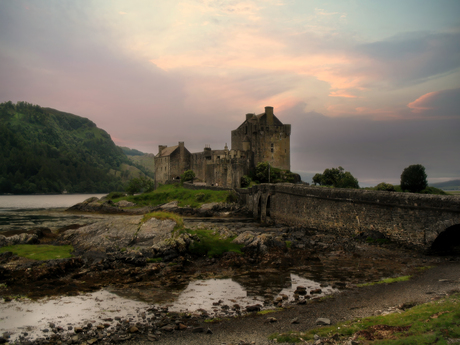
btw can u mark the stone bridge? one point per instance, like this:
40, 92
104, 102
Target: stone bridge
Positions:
416, 220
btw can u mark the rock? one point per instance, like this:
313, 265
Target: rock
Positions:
295, 321
78, 329
2, 340
301, 290
316, 291
198, 330
133, 329
272, 319
208, 331
181, 327
91, 341
167, 328
125, 203
169, 205
323, 321
253, 308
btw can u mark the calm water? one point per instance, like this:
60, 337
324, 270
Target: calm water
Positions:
23, 212
15, 202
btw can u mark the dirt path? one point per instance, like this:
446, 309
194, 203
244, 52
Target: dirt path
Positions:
360, 302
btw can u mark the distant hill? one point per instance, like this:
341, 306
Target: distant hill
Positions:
448, 185
131, 152
44, 150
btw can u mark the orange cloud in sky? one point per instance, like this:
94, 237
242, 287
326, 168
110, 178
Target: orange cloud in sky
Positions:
418, 106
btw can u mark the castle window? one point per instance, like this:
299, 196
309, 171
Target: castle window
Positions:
271, 149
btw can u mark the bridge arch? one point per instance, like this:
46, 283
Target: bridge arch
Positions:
448, 241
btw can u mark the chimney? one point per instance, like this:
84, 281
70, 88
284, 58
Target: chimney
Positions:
161, 148
269, 115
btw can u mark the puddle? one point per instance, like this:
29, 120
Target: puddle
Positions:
33, 317
212, 295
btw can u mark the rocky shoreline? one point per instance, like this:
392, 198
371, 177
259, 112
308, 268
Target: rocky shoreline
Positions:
131, 253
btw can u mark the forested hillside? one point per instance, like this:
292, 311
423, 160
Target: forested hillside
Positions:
43, 150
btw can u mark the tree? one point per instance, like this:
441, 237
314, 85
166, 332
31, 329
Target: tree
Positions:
141, 184
413, 178
317, 179
336, 177
188, 175
388, 187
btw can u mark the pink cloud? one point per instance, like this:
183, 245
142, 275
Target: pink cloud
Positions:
444, 103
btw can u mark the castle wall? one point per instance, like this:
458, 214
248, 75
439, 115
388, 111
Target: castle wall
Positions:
162, 171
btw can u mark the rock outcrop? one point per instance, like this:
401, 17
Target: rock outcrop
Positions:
120, 233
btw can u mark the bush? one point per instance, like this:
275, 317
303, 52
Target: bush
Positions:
413, 178
115, 195
337, 178
188, 175
231, 198
245, 181
385, 187
200, 197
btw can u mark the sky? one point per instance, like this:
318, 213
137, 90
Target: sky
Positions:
369, 85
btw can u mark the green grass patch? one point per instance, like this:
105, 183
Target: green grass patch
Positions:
39, 251
377, 240
269, 311
288, 244
168, 193
424, 268
154, 259
430, 323
214, 320
212, 244
386, 281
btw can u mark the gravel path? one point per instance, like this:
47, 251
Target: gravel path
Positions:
360, 302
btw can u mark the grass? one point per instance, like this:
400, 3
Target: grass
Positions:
212, 244
168, 193
269, 311
288, 244
154, 259
162, 215
39, 251
430, 323
386, 281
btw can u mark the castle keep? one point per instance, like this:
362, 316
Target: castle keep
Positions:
260, 138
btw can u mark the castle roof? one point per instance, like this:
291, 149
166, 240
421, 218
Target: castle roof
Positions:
167, 151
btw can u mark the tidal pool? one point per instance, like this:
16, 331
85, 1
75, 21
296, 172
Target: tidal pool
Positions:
32, 318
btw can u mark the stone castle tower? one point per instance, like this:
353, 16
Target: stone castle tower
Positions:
266, 137
260, 138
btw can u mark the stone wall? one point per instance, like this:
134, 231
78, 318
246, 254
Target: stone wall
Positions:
411, 219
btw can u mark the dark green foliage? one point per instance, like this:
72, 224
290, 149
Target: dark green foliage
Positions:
385, 187
433, 190
47, 151
131, 152
188, 175
115, 195
413, 178
140, 184
276, 175
245, 181
210, 243
337, 178
231, 198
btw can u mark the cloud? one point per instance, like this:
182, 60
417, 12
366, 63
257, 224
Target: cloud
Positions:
373, 151
445, 103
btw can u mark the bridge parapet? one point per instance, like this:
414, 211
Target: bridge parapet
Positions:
411, 219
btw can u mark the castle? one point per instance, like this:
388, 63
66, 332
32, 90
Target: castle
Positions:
260, 138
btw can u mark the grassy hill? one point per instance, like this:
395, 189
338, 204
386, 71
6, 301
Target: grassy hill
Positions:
44, 150
448, 185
